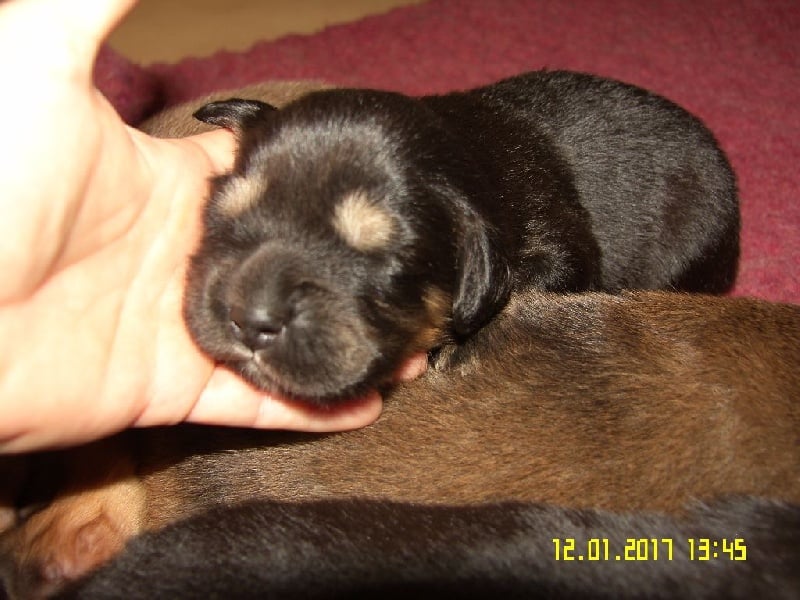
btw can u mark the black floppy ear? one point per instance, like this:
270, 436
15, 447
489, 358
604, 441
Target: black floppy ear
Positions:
484, 277
234, 113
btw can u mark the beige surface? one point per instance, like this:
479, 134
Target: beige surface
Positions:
168, 30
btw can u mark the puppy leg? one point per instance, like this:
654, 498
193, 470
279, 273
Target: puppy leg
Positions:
86, 524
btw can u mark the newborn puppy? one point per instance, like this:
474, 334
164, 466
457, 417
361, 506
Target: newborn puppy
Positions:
359, 227
330, 550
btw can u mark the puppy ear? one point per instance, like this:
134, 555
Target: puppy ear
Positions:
235, 113
484, 277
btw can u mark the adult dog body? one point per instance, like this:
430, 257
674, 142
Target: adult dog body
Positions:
358, 549
639, 401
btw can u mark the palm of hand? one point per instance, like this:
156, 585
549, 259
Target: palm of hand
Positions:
96, 303
97, 222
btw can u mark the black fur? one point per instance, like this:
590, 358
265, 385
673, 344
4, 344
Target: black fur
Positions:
359, 549
551, 180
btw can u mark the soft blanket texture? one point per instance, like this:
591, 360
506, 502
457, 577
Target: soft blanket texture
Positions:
734, 63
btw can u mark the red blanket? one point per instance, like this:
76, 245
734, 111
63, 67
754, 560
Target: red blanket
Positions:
736, 64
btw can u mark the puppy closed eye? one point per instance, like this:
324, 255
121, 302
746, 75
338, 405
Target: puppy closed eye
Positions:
361, 223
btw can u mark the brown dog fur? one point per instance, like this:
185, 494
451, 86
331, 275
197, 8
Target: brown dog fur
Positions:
636, 402
640, 401
98, 508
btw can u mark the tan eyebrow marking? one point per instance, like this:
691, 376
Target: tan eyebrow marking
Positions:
239, 194
361, 223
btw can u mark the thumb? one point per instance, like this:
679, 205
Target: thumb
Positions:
218, 145
74, 29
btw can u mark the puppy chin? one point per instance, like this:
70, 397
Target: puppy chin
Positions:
316, 389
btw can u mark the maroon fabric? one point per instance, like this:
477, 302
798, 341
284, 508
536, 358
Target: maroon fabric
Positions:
134, 91
734, 63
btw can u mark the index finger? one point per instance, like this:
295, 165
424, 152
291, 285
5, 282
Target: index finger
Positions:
227, 400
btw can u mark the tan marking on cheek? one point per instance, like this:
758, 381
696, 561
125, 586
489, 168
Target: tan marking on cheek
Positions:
432, 333
240, 194
361, 223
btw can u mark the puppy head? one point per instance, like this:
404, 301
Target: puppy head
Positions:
337, 246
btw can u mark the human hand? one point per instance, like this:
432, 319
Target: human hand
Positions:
96, 223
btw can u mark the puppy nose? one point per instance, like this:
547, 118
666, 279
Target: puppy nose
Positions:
256, 326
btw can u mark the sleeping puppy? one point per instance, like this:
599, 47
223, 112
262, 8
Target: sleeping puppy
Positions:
359, 227
331, 550
640, 401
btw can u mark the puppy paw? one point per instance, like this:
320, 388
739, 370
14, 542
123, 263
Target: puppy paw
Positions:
75, 534
74, 549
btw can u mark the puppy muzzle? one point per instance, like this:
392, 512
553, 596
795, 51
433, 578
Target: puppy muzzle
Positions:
294, 331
